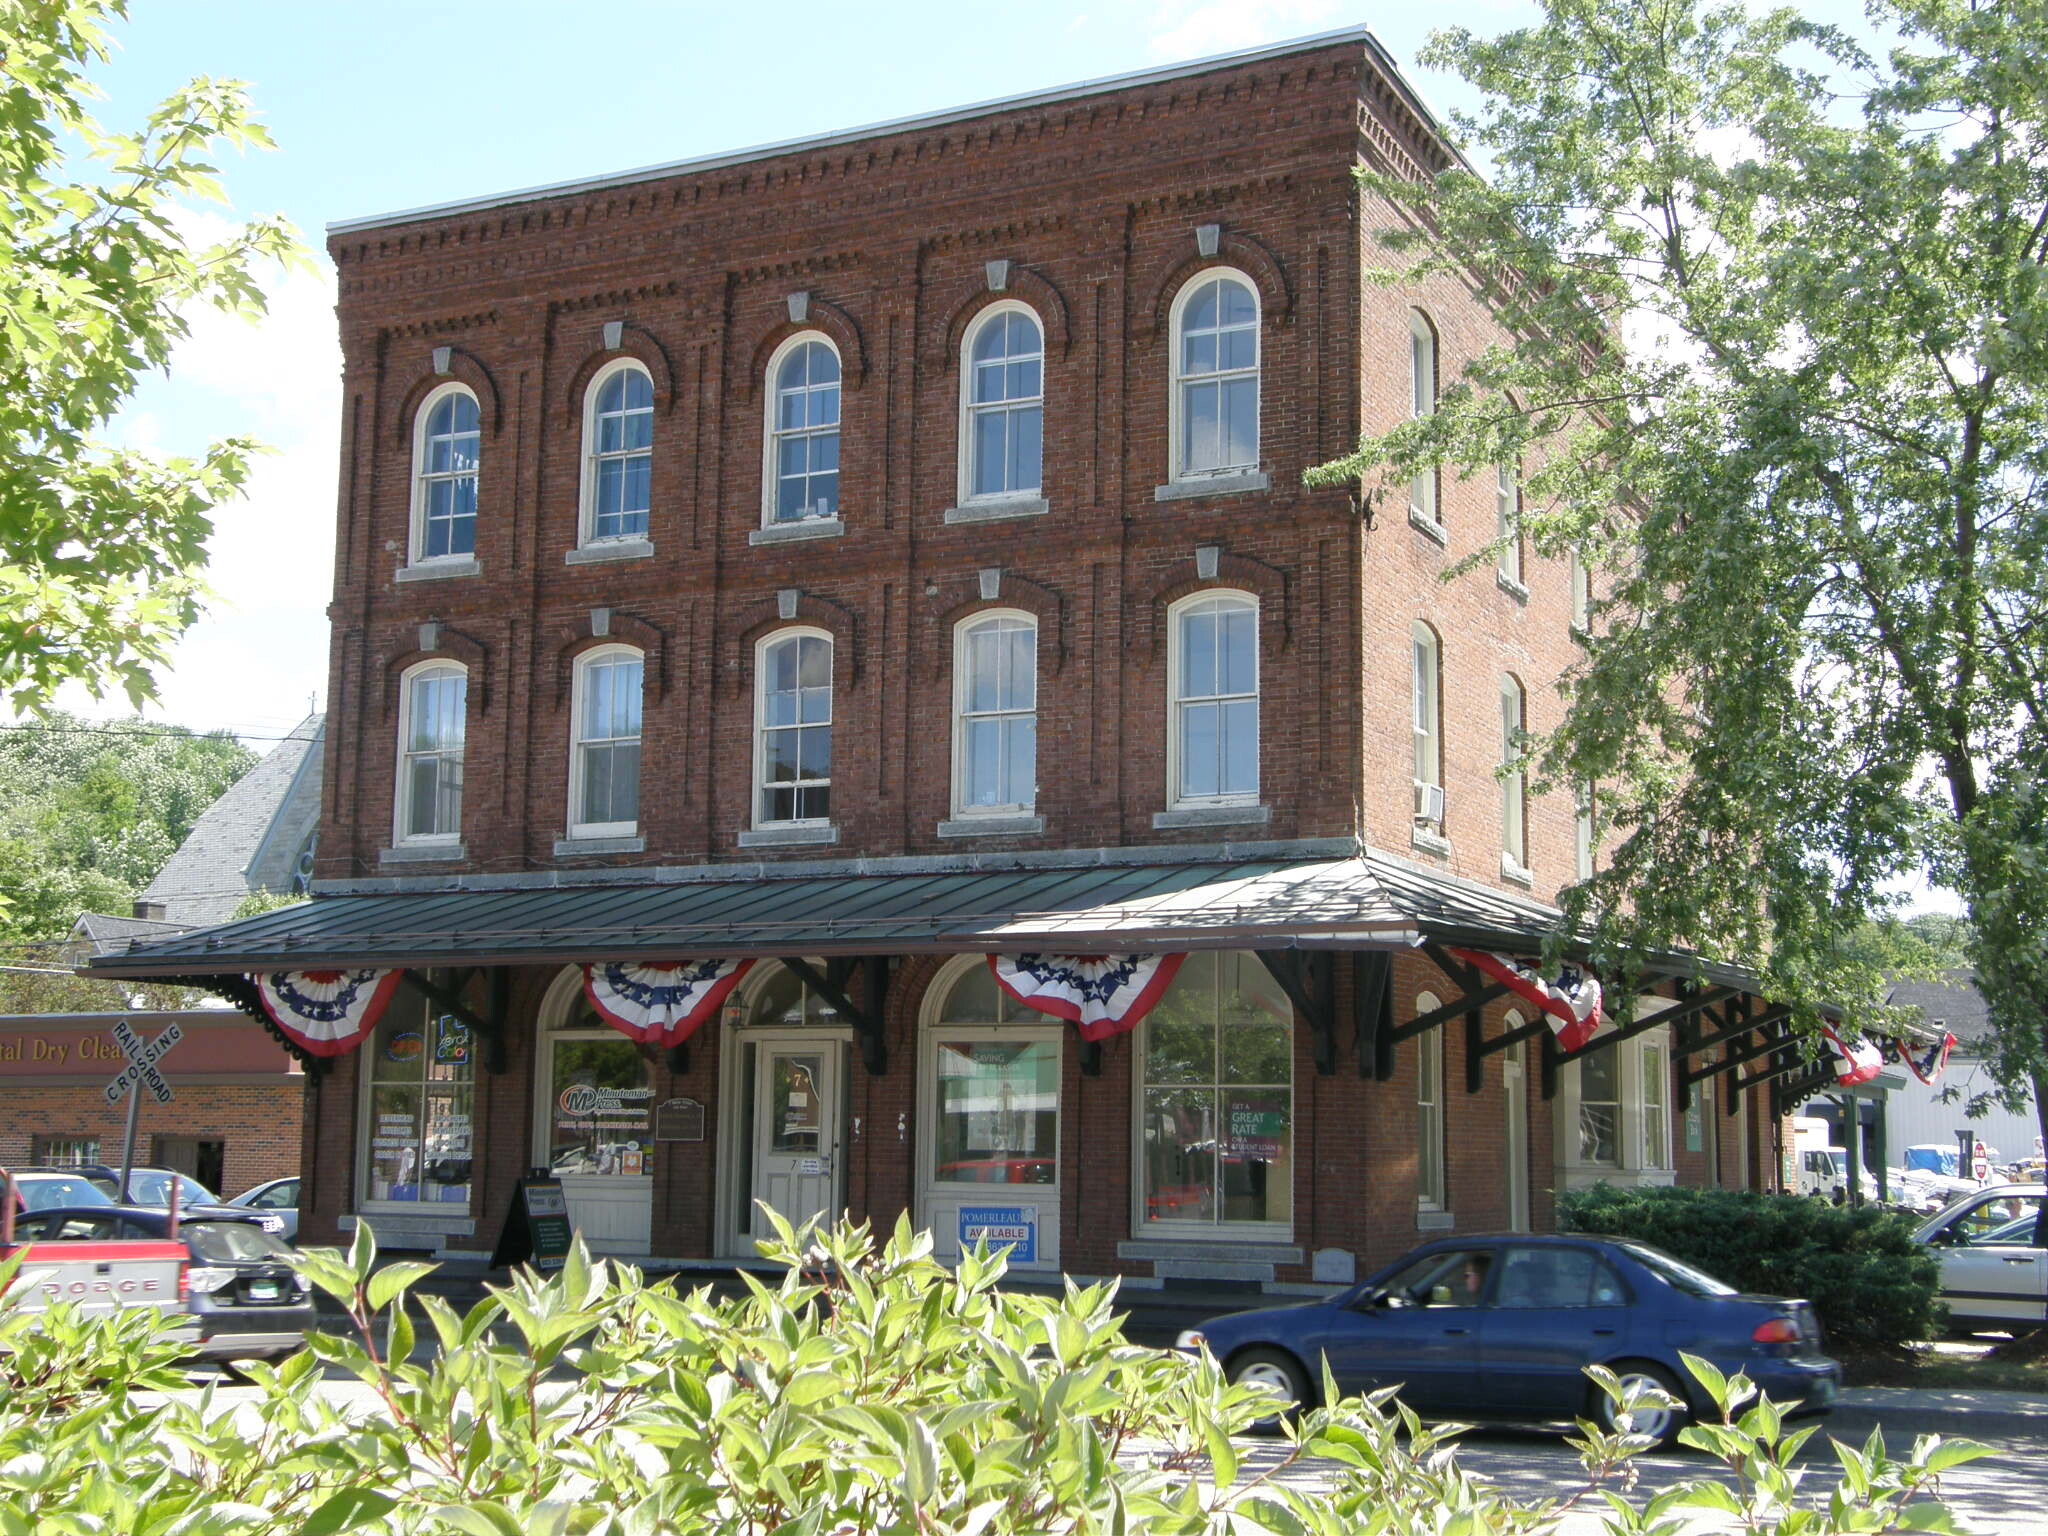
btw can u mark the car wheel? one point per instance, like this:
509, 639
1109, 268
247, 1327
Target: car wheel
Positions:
1660, 1424
1277, 1371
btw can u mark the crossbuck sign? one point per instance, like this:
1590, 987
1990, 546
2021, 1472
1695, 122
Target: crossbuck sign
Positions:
143, 1056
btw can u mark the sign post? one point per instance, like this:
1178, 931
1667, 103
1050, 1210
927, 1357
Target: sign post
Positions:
140, 1073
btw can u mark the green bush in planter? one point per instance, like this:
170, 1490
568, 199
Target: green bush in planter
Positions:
871, 1390
1873, 1286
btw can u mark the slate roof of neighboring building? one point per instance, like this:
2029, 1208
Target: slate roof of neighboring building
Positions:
1954, 1002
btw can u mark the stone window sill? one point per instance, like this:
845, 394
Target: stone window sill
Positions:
999, 511
1428, 527
423, 853
1512, 587
787, 837
437, 570
574, 847
1513, 871
1213, 816
1423, 840
1213, 485
992, 826
1434, 1221
608, 551
797, 532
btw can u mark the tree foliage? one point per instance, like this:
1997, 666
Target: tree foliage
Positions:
100, 547
1777, 343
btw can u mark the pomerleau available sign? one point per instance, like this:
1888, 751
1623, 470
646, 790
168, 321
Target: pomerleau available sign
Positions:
1002, 1226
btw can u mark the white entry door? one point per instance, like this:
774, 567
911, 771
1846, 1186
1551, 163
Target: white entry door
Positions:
797, 1128
596, 1111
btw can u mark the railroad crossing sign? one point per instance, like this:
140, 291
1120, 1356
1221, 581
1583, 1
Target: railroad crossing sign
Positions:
143, 1056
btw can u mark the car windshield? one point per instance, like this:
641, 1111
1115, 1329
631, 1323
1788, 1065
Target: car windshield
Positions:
232, 1242
152, 1186
1676, 1273
44, 1193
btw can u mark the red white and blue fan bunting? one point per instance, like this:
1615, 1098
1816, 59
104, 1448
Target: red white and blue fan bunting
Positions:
660, 1004
1854, 1064
325, 1013
1100, 995
1571, 1003
1930, 1061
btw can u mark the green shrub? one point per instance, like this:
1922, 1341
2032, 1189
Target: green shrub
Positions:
871, 1390
1873, 1286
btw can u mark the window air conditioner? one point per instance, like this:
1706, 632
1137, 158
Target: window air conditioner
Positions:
1429, 803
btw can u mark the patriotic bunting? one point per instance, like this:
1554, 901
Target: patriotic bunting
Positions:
325, 1013
1854, 1064
1927, 1062
1101, 995
1572, 1002
660, 1004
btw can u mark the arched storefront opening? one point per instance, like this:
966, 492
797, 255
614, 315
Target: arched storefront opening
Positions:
594, 1120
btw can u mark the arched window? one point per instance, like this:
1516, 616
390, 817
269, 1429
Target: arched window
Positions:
1002, 405
1514, 848
994, 1070
1216, 1099
995, 746
794, 753
446, 453
604, 763
618, 450
1422, 500
1432, 1192
802, 467
433, 716
1426, 716
1213, 682
1216, 376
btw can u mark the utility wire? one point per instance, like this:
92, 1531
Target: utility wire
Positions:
146, 732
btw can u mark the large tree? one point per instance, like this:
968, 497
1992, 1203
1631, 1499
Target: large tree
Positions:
101, 546
1779, 348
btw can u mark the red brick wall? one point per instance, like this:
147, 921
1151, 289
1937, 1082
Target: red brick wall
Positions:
258, 1122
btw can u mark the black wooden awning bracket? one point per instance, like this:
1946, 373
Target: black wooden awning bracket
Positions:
1372, 1007
1310, 982
866, 1016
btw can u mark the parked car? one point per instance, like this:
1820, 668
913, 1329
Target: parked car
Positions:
242, 1296
1502, 1328
152, 1187
37, 1189
280, 1197
1993, 1248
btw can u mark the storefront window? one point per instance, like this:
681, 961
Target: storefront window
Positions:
1599, 1110
1218, 1103
601, 1118
420, 1073
997, 1101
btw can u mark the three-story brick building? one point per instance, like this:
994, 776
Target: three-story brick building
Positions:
769, 585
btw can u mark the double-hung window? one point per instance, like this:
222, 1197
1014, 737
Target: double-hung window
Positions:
1514, 849
1432, 1191
1507, 522
1004, 406
446, 455
803, 431
1600, 1109
604, 774
1422, 500
432, 726
1214, 680
794, 755
1425, 726
996, 665
1216, 366
620, 451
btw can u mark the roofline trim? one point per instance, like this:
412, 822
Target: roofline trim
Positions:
1097, 87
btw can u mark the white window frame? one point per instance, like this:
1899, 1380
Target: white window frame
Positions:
587, 536
1507, 521
771, 433
1653, 1079
968, 410
1424, 499
416, 542
1585, 841
1582, 593
760, 785
962, 633
457, 1216
1426, 716
1643, 1153
1178, 381
1175, 662
1514, 787
1432, 1193
595, 657
401, 798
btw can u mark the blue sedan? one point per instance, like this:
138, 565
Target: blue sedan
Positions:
1502, 1328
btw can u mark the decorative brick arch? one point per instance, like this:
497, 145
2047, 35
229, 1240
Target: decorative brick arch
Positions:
822, 316
1046, 604
808, 610
463, 368
1272, 586
1026, 287
453, 645
642, 347
645, 636
1247, 255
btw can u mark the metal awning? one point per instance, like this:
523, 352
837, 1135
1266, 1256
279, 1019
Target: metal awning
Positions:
1371, 901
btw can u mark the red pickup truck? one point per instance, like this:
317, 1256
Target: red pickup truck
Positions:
96, 1275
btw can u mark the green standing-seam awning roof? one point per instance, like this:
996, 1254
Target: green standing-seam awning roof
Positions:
1366, 902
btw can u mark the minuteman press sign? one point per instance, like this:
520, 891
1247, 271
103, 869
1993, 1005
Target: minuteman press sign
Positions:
143, 1055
